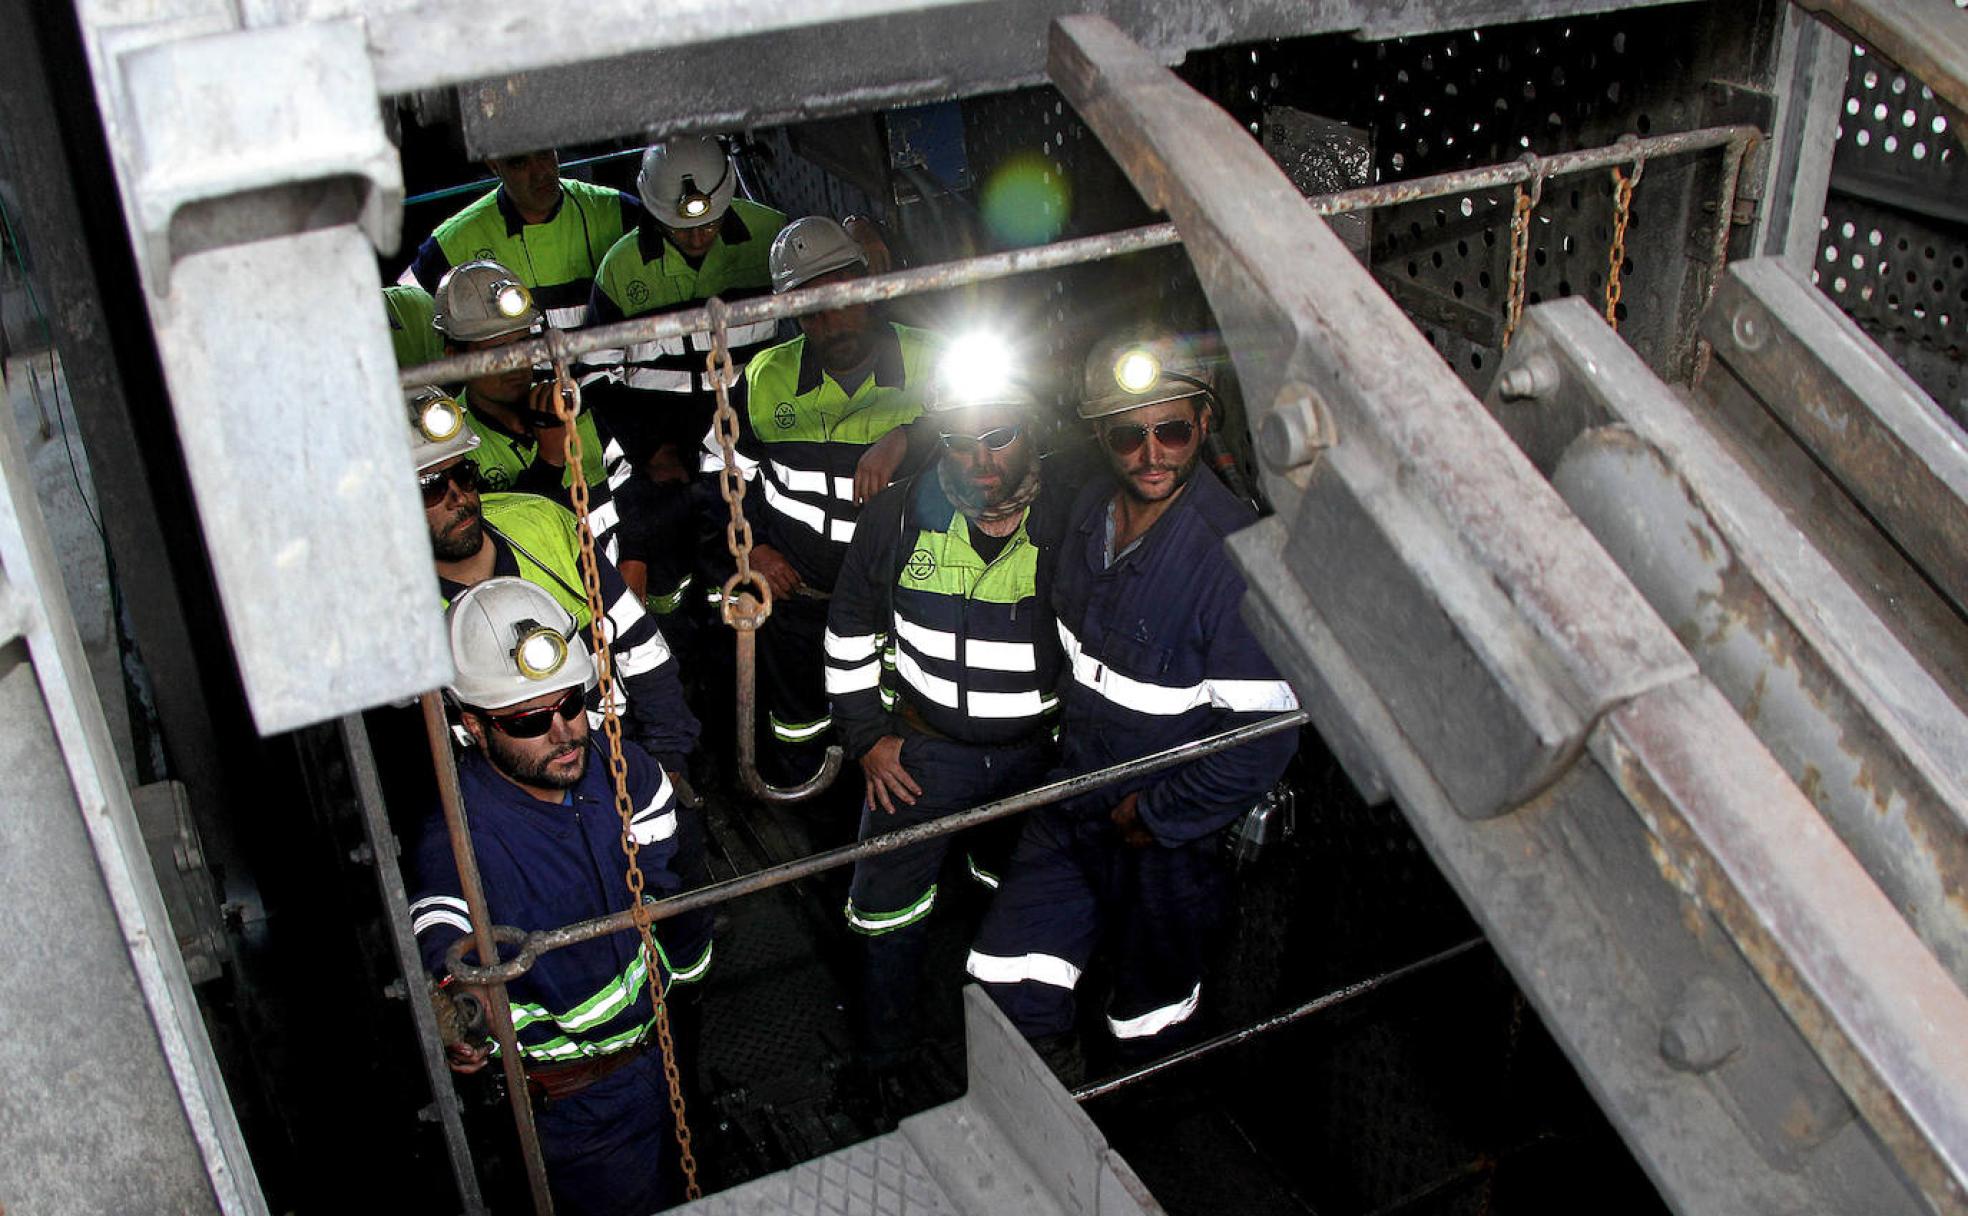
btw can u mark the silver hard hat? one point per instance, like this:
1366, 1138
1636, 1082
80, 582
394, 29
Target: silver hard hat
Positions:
512, 641
686, 182
481, 300
810, 247
438, 430
1127, 371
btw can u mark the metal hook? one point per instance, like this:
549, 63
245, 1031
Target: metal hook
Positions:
744, 608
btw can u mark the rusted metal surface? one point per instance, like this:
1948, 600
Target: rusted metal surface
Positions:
1503, 659
1890, 447
532, 945
1856, 721
1486, 643
747, 698
569, 345
1739, 840
498, 1009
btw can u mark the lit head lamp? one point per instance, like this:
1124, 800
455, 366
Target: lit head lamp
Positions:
1132, 372
693, 204
510, 298
440, 419
538, 651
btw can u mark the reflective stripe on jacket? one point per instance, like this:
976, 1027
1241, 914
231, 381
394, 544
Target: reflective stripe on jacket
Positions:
544, 865
807, 435
974, 648
1157, 653
556, 259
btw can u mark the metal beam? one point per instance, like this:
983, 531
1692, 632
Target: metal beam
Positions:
607, 68
1602, 810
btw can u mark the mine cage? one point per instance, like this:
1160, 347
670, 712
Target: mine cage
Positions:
1601, 365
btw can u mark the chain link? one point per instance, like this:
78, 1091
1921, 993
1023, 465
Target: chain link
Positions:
749, 614
1522, 204
565, 404
1622, 213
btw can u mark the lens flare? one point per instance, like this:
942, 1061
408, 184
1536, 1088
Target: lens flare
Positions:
975, 367
1025, 201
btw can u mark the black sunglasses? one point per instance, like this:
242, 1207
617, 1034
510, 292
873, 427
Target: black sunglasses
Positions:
532, 723
997, 439
1126, 438
438, 482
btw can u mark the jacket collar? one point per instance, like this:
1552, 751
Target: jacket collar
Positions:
889, 369
654, 244
515, 222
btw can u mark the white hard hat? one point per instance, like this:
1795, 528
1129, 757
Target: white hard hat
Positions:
1128, 371
481, 300
686, 182
511, 642
975, 370
810, 247
437, 427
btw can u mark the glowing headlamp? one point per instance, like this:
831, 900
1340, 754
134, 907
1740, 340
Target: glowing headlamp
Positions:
440, 420
693, 204
540, 651
510, 298
975, 368
1137, 371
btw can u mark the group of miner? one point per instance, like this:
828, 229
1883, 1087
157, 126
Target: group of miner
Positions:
965, 615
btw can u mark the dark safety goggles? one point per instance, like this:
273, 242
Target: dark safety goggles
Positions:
1126, 438
532, 723
438, 482
997, 439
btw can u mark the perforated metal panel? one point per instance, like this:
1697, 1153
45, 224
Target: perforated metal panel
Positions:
1894, 246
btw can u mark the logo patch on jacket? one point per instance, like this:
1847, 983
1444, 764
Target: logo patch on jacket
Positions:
783, 415
922, 564
638, 292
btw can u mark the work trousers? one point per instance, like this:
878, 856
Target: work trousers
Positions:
609, 1149
892, 895
792, 690
1072, 884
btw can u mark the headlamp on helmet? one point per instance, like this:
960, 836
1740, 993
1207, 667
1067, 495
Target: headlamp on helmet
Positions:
538, 651
440, 419
1137, 370
693, 204
511, 298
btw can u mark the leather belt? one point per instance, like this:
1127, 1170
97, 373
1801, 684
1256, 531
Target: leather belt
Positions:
552, 1082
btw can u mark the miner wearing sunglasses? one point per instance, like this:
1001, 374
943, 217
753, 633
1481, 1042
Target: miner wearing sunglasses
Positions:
540, 801
1156, 654
948, 572
476, 536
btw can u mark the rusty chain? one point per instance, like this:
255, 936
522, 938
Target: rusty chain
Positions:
1522, 204
565, 400
1622, 214
750, 614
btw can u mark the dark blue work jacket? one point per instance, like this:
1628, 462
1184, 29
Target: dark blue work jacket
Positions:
1157, 654
545, 865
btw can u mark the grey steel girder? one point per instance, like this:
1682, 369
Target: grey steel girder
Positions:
258, 184
1728, 979
110, 1097
1852, 715
752, 73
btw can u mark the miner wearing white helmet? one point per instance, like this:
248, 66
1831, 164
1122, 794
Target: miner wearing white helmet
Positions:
696, 239
522, 442
953, 568
829, 420
554, 229
540, 802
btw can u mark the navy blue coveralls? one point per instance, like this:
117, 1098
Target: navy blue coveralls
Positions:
968, 688
608, 1147
1156, 655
